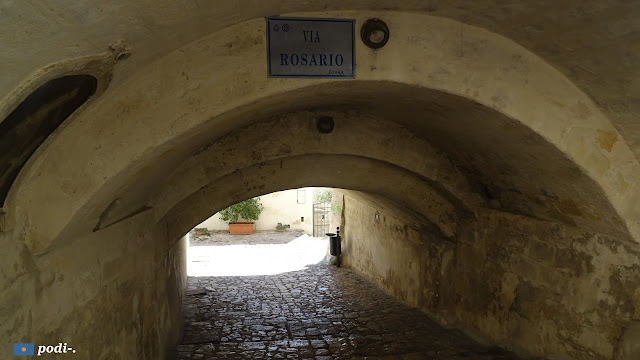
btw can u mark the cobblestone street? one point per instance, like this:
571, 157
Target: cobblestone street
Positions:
320, 312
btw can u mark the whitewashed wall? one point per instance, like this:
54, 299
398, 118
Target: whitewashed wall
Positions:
282, 206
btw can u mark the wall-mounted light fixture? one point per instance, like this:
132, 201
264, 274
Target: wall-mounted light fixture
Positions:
374, 33
325, 124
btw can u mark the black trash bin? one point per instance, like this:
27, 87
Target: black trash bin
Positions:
335, 247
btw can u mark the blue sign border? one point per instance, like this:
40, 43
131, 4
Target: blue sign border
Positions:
353, 46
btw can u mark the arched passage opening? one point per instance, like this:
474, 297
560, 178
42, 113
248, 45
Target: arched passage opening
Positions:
498, 253
523, 203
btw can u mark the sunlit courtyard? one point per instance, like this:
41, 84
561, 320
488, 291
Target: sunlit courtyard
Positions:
267, 253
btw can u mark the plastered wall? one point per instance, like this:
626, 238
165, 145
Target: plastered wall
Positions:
537, 287
279, 207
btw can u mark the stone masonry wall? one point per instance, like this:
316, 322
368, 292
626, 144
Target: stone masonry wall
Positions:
114, 294
537, 287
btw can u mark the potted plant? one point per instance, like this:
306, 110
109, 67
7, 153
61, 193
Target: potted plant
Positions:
248, 210
280, 227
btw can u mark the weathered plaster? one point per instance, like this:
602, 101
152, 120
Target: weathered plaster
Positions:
512, 172
582, 39
180, 101
540, 288
111, 295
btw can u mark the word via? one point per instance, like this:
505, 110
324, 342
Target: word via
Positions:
311, 59
58, 349
312, 36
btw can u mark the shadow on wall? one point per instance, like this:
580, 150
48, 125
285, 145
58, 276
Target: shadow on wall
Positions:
37, 117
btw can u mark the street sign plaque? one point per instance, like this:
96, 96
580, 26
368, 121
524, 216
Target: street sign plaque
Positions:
310, 47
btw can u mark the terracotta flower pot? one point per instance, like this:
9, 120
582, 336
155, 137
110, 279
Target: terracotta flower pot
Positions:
241, 228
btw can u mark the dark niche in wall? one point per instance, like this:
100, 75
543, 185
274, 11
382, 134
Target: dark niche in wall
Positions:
29, 125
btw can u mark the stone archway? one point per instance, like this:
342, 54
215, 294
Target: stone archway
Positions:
200, 98
446, 109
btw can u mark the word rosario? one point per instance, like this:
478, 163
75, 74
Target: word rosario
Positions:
311, 59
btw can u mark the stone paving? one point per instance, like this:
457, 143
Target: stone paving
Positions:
321, 312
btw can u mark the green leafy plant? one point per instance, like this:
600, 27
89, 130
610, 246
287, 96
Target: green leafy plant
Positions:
249, 210
336, 208
322, 195
281, 226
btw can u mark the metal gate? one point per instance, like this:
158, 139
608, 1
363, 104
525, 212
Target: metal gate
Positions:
321, 218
